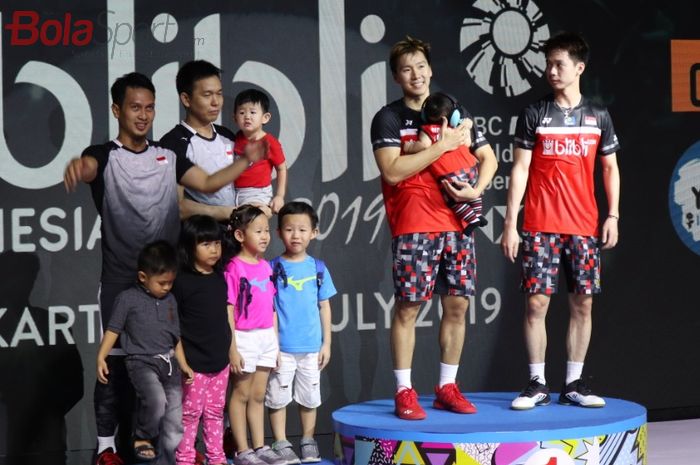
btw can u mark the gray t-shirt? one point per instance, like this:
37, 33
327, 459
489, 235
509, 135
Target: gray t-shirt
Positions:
136, 196
146, 325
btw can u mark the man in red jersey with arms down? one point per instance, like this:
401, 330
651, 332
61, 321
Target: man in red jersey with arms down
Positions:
558, 140
430, 252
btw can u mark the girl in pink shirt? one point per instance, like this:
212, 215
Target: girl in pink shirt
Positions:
255, 347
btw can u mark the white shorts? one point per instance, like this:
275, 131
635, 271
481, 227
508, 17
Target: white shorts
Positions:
302, 369
258, 347
251, 195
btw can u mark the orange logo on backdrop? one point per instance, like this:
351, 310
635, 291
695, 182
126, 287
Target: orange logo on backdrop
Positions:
685, 71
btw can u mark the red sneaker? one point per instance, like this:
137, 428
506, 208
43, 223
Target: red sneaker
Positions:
449, 398
108, 457
407, 406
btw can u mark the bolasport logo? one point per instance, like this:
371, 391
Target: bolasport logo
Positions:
27, 28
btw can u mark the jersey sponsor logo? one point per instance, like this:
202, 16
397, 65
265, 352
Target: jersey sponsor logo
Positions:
504, 39
590, 121
161, 159
259, 283
570, 121
229, 150
298, 284
408, 122
546, 121
567, 146
684, 198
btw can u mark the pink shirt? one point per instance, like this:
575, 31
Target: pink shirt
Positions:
250, 291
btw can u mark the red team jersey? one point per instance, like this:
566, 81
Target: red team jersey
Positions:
459, 159
560, 196
414, 205
260, 173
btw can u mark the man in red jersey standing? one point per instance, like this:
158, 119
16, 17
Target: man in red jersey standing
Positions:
430, 251
558, 140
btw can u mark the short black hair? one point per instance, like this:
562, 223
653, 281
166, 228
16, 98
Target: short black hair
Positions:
133, 80
195, 230
252, 96
157, 258
570, 42
436, 106
407, 46
193, 71
297, 208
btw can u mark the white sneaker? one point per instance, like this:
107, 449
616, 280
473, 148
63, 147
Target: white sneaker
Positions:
535, 394
577, 393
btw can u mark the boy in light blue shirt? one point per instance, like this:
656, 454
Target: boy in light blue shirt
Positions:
303, 314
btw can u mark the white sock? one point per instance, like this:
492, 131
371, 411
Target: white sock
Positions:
537, 369
403, 379
573, 371
105, 442
448, 373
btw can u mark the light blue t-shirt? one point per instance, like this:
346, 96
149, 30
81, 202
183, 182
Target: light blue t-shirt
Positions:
297, 306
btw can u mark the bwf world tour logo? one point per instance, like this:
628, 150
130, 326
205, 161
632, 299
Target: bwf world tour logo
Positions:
503, 45
684, 198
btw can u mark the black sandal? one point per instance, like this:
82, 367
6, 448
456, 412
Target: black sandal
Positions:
145, 452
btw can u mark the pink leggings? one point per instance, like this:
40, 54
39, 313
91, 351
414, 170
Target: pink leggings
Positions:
204, 398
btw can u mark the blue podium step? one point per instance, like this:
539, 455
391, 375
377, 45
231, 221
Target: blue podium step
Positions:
369, 433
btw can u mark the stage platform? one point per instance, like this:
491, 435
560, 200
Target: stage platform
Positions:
369, 433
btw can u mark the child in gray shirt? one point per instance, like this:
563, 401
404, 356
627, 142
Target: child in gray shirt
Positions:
145, 316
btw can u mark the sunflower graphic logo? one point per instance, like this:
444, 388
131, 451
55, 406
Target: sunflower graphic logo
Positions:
502, 42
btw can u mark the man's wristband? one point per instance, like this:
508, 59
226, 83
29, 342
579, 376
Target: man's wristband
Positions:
614, 216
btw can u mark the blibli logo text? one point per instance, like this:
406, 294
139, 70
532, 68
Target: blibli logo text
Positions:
566, 147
